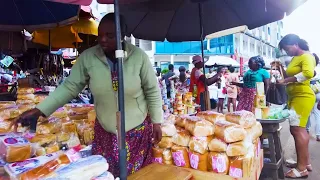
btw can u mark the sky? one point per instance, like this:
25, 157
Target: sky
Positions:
305, 22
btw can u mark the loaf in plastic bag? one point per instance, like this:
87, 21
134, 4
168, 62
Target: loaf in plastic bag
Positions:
182, 137
83, 169
25, 91
168, 129
180, 156
243, 118
241, 166
198, 161
79, 108
92, 116
14, 148
62, 137
162, 156
9, 113
218, 162
229, 132
44, 139
217, 145
60, 113
211, 116
5, 127
25, 102
46, 168
105, 176
6, 104
53, 126
199, 144
199, 127
16, 169
39, 98
26, 97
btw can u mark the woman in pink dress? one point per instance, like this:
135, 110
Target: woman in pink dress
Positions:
232, 90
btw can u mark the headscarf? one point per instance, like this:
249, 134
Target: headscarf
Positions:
259, 61
196, 59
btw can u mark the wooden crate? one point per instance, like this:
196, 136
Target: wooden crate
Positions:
166, 172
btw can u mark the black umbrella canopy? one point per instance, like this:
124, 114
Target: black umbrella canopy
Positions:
178, 20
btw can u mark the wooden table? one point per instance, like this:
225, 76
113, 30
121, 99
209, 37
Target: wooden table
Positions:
168, 172
271, 129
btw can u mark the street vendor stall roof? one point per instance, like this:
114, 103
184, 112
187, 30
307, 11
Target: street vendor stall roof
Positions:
16, 15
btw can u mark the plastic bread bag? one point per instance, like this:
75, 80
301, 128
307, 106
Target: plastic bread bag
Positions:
105, 176
26, 91
79, 108
180, 156
166, 142
52, 126
14, 148
25, 101
44, 139
69, 127
83, 169
8, 113
39, 98
88, 135
60, 113
218, 162
17, 168
26, 97
198, 161
92, 117
46, 169
157, 155
6, 104
25, 107
5, 127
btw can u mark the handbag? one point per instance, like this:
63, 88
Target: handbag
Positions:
276, 93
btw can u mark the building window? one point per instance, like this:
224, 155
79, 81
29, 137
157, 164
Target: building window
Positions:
269, 30
137, 42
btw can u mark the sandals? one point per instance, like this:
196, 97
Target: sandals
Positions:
294, 165
296, 174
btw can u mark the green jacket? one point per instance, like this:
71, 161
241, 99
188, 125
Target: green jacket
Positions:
142, 93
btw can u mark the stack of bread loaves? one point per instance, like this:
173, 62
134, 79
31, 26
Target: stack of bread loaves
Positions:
260, 106
210, 141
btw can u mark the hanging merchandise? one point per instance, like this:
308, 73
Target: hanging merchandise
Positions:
6, 61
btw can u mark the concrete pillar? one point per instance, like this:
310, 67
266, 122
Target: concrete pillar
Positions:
172, 59
190, 63
241, 44
255, 49
249, 47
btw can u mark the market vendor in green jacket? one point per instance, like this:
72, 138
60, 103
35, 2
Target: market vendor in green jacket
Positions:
97, 67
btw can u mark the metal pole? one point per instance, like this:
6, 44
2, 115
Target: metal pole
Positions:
119, 54
49, 41
202, 52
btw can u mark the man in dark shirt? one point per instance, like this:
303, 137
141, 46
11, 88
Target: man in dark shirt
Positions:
166, 78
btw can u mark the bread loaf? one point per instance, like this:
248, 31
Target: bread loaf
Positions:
218, 162
166, 142
51, 127
43, 139
244, 118
26, 97
240, 166
157, 155
60, 113
199, 144
217, 145
182, 137
238, 148
25, 91
92, 116
180, 156
39, 98
229, 132
168, 129
14, 148
171, 119
181, 120
199, 127
255, 131
211, 116
5, 126
198, 161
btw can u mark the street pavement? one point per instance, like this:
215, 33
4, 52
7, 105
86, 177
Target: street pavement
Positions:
289, 152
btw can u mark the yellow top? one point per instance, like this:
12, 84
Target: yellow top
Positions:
304, 63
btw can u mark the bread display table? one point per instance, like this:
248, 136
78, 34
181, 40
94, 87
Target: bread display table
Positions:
271, 130
168, 172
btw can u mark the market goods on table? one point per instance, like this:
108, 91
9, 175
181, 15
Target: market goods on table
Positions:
223, 144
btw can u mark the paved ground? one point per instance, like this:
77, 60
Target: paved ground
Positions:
289, 152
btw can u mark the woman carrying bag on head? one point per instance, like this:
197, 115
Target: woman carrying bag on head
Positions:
301, 99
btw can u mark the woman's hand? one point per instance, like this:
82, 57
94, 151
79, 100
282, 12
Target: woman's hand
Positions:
281, 81
25, 119
157, 133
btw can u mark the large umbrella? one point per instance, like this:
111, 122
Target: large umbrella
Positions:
16, 15
178, 20
221, 61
